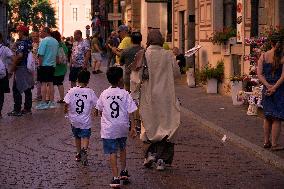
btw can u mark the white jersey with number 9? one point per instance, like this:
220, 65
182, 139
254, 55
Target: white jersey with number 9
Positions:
81, 102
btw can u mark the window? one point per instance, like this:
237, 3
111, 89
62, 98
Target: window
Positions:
75, 14
230, 13
88, 13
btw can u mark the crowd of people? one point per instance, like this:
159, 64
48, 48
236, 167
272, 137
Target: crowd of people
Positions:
137, 93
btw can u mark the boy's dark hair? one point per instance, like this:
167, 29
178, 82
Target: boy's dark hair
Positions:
114, 74
84, 76
136, 38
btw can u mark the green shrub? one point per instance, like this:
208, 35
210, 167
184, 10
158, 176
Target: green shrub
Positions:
209, 72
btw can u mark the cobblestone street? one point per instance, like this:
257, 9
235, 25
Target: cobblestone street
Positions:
37, 151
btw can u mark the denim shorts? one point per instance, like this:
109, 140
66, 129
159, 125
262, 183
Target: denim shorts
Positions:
81, 133
111, 145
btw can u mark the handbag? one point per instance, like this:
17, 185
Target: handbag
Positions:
145, 71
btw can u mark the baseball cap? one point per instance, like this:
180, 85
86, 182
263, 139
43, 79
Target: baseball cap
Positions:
123, 28
22, 28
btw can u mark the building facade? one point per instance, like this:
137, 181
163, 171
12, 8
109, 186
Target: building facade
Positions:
3, 18
72, 15
215, 15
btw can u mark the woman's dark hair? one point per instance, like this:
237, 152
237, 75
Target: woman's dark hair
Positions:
136, 38
56, 35
276, 40
114, 74
155, 38
84, 76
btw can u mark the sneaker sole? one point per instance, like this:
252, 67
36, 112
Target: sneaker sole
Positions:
114, 185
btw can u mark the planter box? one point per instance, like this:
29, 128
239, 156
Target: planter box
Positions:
212, 86
216, 48
236, 86
190, 80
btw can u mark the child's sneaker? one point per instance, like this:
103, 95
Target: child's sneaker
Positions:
149, 160
124, 177
84, 158
160, 165
115, 183
78, 157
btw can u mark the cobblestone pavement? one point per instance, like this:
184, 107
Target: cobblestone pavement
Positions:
37, 151
220, 111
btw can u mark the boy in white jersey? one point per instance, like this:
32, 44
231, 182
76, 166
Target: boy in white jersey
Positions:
80, 102
116, 107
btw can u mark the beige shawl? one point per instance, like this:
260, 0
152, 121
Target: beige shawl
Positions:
159, 107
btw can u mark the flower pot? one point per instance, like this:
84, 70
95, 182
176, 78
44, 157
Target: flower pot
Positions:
216, 48
236, 86
212, 86
190, 77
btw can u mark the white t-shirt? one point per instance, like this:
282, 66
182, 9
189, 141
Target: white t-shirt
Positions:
5, 55
116, 104
81, 101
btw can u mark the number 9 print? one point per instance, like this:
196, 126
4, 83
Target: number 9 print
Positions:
115, 109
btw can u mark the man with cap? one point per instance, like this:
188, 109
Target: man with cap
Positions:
23, 78
125, 43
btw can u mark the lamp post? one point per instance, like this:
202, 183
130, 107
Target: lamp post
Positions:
122, 4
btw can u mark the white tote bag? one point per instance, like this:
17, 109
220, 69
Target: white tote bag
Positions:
31, 62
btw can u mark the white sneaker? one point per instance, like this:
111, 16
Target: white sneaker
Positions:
149, 160
160, 165
51, 104
42, 106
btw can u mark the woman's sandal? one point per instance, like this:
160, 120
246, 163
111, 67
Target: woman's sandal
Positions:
267, 145
277, 148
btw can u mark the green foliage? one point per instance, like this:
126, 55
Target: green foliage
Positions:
34, 13
221, 37
209, 72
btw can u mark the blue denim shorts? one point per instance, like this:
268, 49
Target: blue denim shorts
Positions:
111, 145
81, 133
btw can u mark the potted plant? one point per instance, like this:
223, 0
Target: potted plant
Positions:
221, 38
211, 75
236, 86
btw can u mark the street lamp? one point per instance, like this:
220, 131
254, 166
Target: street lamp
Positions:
122, 4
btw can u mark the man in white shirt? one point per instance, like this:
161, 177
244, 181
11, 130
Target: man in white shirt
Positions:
80, 102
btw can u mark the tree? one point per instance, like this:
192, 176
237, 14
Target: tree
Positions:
34, 13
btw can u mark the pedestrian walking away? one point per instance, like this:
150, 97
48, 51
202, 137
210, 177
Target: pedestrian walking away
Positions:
80, 101
127, 57
159, 107
79, 58
116, 107
271, 74
47, 52
23, 78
